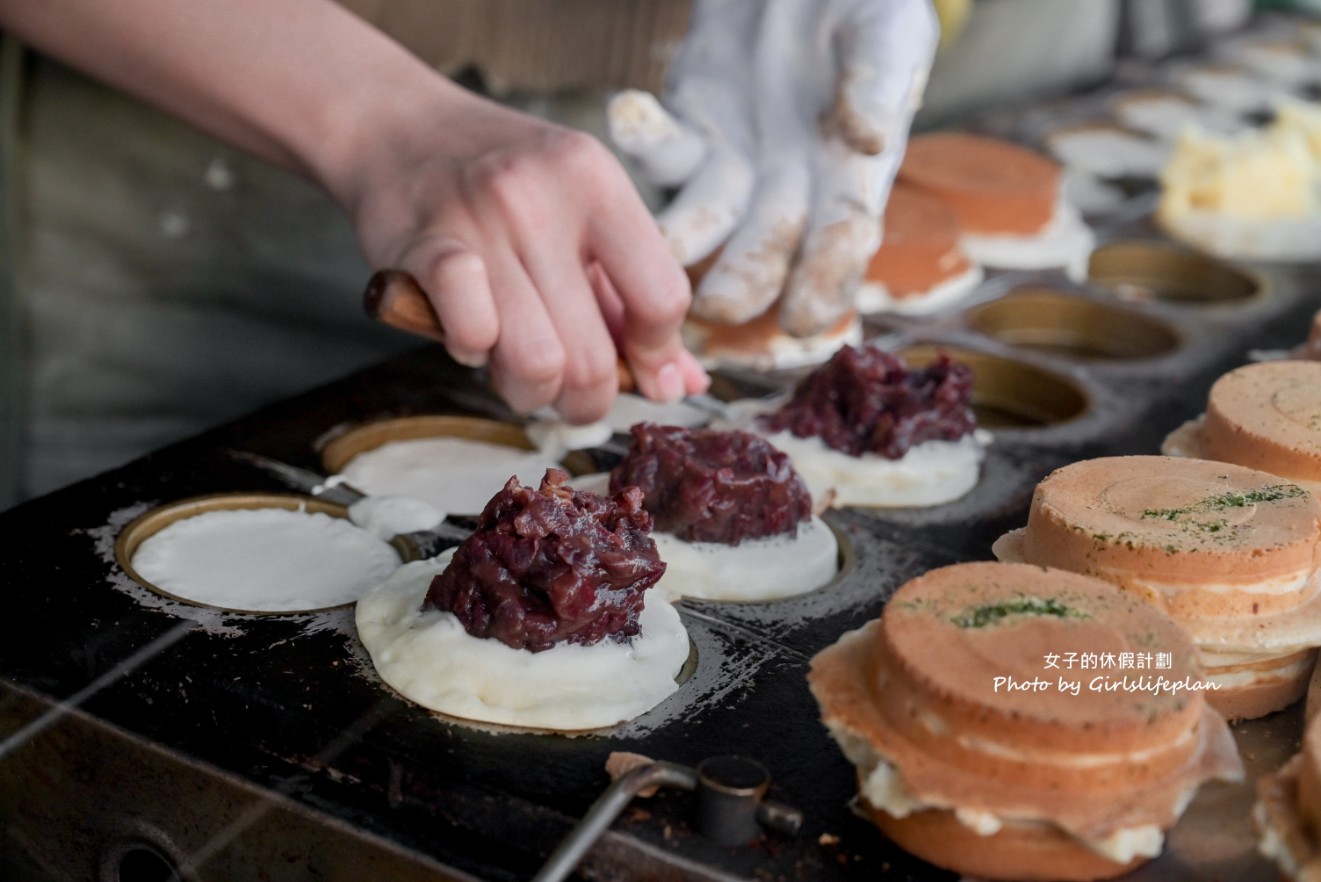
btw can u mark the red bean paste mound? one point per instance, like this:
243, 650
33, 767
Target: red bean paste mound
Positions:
552, 565
866, 400
703, 485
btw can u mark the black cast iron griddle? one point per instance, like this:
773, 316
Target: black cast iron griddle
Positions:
231, 746
142, 737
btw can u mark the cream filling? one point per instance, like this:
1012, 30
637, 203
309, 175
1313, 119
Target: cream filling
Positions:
264, 560
1288, 239
1186, 441
1215, 657
1208, 632
1293, 584
1065, 242
1240, 679
455, 475
756, 569
430, 659
874, 297
1273, 843
1072, 760
882, 785
781, 352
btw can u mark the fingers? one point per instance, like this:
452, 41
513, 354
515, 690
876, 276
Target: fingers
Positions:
528, 361
843, 234
644, 294
751, 269
666, 150
705, 211
825, 280
585, 265
589, 379
460, 293
885, 55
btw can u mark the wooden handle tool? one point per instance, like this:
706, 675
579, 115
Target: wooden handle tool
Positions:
395, 298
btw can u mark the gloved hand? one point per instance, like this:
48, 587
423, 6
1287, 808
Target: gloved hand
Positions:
783, 124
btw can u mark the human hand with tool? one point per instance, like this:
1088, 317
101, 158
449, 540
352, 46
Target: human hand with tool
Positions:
531, 243
535, 251
782, 126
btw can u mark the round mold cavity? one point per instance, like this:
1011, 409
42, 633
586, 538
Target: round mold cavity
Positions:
1070, 326
1009, 394
147, 525
456, 479
343, 447
1141, 271
845, 560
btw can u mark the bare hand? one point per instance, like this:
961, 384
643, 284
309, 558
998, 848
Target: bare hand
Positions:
536, 253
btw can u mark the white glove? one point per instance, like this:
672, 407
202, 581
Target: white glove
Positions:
783, 126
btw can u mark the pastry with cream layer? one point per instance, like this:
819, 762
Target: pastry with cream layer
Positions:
762, 345
1230, 553
545, 617
973, 754
1253, 195
920, 267
866, 429
1287, 814
1264, 416
733, 520
1009, 200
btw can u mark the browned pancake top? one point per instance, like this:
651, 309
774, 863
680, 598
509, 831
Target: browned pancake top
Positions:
994, 186
1267, 416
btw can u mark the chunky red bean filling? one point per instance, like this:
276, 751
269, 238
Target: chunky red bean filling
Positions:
866, 400
703, 485
552, 565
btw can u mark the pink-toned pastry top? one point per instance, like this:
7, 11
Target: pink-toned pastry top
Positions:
1267, 416
993, 186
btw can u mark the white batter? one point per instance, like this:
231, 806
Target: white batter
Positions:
554, 437
930, 473
265, 560
756, 569
389, 516
430, 659
454, 475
